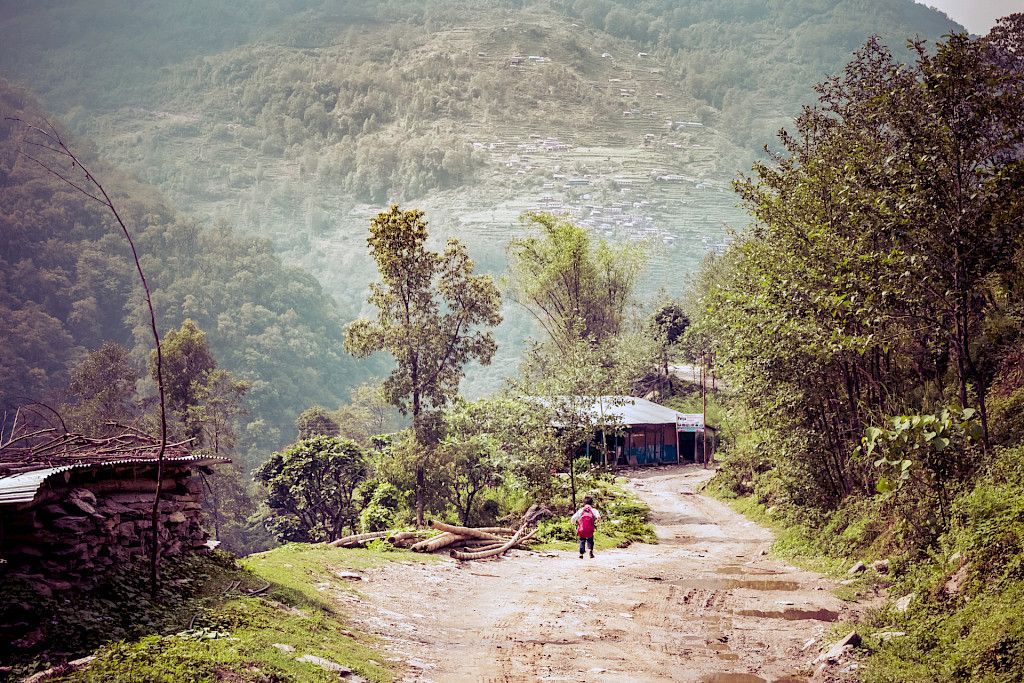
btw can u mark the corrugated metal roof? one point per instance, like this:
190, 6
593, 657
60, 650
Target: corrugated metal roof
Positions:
630, 410
22, 487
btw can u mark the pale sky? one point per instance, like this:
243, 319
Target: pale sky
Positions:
977, 15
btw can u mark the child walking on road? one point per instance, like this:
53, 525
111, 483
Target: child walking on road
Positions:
585, 520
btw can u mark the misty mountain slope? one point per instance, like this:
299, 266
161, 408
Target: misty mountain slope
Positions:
299, 121
68, 284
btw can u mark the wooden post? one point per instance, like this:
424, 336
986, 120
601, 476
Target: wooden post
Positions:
704, 402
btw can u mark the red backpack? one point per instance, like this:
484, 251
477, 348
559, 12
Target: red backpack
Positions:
585, 528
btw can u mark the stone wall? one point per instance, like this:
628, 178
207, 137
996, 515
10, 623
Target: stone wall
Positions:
90, 521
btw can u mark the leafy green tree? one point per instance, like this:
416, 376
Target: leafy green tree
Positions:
572, 287
316, 421
218, 409
215, 420
366, 414
667, 325
103, 390
491, 441
875, 281
311, 488
432, 313
187, 362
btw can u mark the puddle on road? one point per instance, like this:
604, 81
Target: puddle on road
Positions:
792, 614
754, 584
729, 584
739, 570
747, 678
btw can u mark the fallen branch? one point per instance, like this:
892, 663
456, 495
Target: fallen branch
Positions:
464, 531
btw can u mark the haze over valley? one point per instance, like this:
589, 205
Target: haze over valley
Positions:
297, 122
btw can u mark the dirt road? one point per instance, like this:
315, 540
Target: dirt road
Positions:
703, 605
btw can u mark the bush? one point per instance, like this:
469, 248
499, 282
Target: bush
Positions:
379, 513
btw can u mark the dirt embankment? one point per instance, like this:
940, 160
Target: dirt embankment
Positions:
705, 604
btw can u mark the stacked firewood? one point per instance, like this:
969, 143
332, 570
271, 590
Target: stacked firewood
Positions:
462, 543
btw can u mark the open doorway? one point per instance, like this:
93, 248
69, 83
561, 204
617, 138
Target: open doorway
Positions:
687, 446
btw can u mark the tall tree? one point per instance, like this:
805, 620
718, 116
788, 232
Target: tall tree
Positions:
885, 226
572, 287
103, 389
219, 405
187, 362
667, 326
432, 315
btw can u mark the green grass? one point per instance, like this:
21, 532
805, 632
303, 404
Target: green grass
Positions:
295, 569
210, 628
623, 519
971, 633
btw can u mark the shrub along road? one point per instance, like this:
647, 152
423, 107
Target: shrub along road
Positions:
704, 604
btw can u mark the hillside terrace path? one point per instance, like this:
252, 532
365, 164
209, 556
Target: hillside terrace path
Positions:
704, 604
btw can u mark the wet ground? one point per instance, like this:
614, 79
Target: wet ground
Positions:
703, 605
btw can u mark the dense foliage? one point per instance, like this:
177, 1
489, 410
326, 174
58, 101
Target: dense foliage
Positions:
574, 286
311, 488
434, 316
67, 287
870, 322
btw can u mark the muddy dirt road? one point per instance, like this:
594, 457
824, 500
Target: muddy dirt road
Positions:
703, 605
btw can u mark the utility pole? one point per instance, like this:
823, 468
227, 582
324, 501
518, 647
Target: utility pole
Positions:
704, 409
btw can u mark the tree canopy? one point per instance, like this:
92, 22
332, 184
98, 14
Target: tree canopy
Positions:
572, 286
311, 488
432, 317
880, 277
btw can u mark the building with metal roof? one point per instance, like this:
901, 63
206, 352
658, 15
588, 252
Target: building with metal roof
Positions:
639, 432
73, 507
23, 488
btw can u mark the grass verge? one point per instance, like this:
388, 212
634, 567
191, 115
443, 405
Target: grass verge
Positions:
623, 518
955, 607
216, 620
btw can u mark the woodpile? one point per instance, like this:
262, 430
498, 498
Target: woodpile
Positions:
463, 543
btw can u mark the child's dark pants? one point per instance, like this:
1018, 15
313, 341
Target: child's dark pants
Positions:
584, 542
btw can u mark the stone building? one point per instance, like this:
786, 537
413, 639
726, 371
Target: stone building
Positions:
70, 514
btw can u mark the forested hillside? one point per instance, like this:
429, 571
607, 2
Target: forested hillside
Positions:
299, 121
67, 286
871, 326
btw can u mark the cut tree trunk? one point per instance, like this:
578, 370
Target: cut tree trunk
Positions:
358, 539
435, 543
483, 554
464, 531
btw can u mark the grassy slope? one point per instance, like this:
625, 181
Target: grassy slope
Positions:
232, 634
965, 619
207, 626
